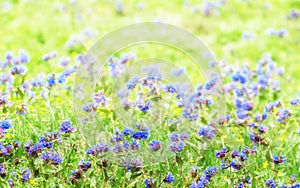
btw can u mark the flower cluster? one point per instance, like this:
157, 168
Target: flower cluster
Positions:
177, 143
205, 179
51, 157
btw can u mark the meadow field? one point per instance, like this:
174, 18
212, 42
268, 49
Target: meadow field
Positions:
77, 113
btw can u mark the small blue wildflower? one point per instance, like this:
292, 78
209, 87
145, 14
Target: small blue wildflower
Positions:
223, 165
84, 166
132, 82
51, 157
51, 80
271, 183
149, 182
135, 145
126, 145
140, 135
169, 178
5, 124
262, 129
25, 175
211, 171
295, 102
49, 56
174, 137
18, 69
170, 88
206, 132
11, 183
2, 170
127, 131
277, 160
236, 165
222, 153
154, 145
66, 127
103, 147
184, 136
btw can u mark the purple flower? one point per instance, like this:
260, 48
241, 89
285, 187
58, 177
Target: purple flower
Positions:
206, 132
277, 160
25, 175
64, 61
23, 56
295, 102
154, 145
11, 183
236, 165
18, 69
174, 137
66, 127
84, 166
135, 145
177, 146
211, 171
133, 82
2, 170
170, 88
262, 129
49, 56
223, 165
51, 157
149, 182
184, 136
271, 183
222, 153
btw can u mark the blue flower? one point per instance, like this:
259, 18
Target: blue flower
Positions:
169, 178
18, 69
84, 166
271, 183
133, 82
49, 56
51, 80
295, 102
11, 183
127, 131
184, 136
51, 157
223, 165
135, 145
170, 88
2, 170
211, 171
222, 153
206, 132
277, 160
126, 145
25, 175
66, 127
177, 146
5, 124
174, 137
154, 145
236, 165
140, 135
149, 182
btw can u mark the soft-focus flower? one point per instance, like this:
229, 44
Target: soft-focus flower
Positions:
169, 178
66, 127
